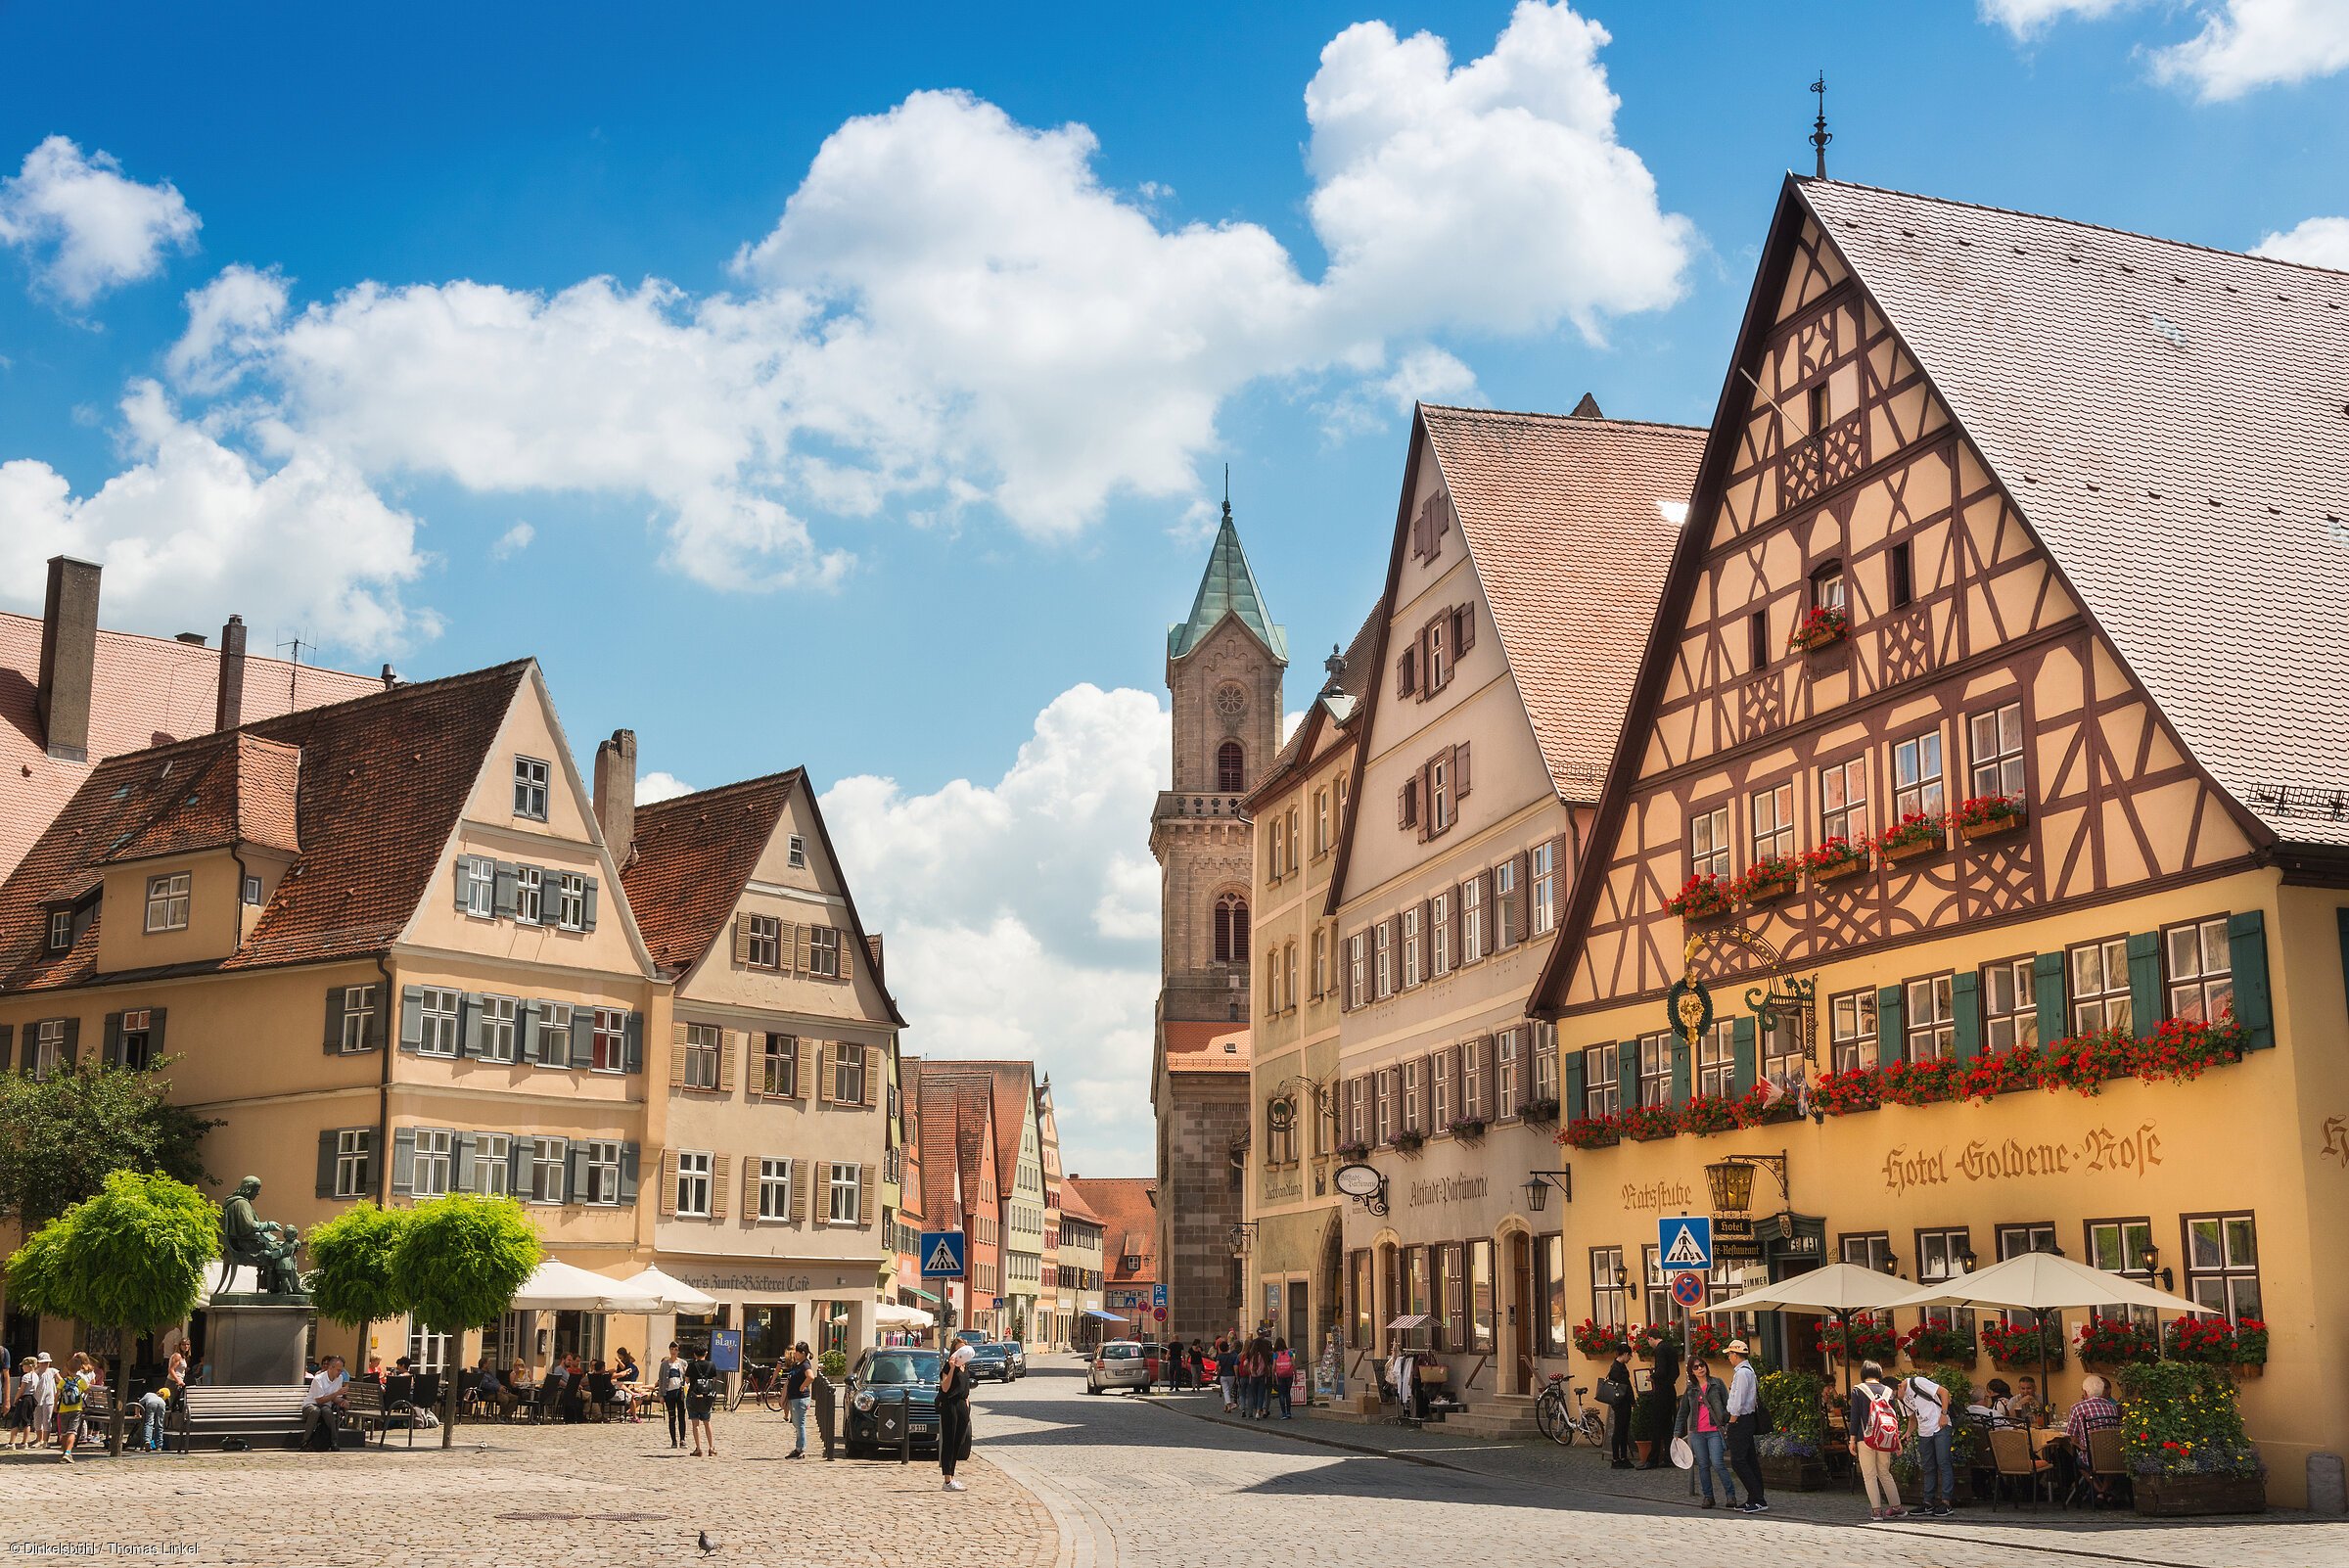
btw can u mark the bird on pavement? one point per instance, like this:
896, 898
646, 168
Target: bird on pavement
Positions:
707, 1545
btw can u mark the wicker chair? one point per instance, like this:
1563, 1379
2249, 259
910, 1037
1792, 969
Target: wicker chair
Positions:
2012, 1456
2107, 1467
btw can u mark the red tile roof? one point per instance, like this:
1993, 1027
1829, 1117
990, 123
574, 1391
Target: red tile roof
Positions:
1193, 1048
693, 855
1570, 520
243, 791
143, 692
1128, 1217
1011, 1089
381, 783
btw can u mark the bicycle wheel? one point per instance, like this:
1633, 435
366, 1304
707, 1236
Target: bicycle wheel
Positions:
1593, 1428
1546, 1414
772, 1398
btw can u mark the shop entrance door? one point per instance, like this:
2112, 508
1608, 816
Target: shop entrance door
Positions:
1300, 1331
1517, 1376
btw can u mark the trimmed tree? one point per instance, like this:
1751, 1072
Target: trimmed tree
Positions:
351, 1280
61, 1134
459, 1260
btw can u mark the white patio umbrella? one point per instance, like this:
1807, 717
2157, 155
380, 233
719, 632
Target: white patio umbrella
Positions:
1840, 1288
2043, 1283
895, 1315
672, 1293
557, 1286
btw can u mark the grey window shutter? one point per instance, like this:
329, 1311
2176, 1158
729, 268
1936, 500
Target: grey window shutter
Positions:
582, 1034
334, 1020
157, 1016
469, 1027
110, 1051
627, 1173
575, 1174
519, 1156
411, 1017
530, 1022
72, 1048
404, 1161
504, 904
550, 896
464, 865
326, 1162
587, 919
462, 1149
635, 1038
8, 1034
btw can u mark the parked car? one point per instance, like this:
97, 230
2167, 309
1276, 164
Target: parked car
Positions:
1019, 1358
1118, 1364
992, 1360
888, 1385
970, 1336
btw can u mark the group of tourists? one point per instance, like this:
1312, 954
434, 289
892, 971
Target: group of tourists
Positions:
45, 1401
1718, 1421
1254, 1373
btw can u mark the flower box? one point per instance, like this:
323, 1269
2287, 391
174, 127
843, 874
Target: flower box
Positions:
1647, 1123
1911, 848
1824, 627
1467, 1129
1591, 1132
1408, 1142
1839, 870
1702, 897
1353, 1151
1788, 1473
1771, 892
1989, 816
1543, 1111
1600, 1341
2176, 1497
1997, 828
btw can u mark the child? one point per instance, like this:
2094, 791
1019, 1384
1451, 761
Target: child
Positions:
44, 1402
20, 1409
69, 1400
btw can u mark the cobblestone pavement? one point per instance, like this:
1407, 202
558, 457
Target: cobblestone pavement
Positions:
1165, 1482
505, 1497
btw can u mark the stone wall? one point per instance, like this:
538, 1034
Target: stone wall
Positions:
1199, 1202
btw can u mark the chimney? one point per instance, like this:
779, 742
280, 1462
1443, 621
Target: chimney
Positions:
69, 658
229, 711
615, 793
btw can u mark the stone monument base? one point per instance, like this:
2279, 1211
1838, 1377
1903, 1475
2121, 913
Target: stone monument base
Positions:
259, 1339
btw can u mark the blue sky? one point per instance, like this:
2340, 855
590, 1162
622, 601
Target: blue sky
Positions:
894, 461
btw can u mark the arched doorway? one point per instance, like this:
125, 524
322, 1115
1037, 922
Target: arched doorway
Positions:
1515, 1240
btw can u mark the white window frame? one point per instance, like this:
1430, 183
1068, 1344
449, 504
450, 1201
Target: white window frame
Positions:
556, 1023
1386, 963
2108, 1002
1544, 860
359, 1011
1439, 936
783, 1085
610, 1051
849, 1064
502, 1028
823, 951
48, 1046
550, 1174
1472, 921
1412, 968
251, 890
1504, 883
2197, 970
1716, 1065
1358, 951
765, 941
797, 852
1919, 778
842, 1180
441, 1014
1995, 746
704, 1045
1508, 1065
480, 887
1852, 1031
571, 902
354, 1162
61, 930
530, 896
531, 776
1545, 1061
1602, 1095
433, 1168
1929, 1018
1438, 796
602, 1172
1709, 848
2009, 1004
694, 1181
492, 1163
168, 902
774, 1191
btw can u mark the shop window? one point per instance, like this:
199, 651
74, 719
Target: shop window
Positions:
1417, 1296
1930, 1026
2100, 986
2222, 1264
1452, 1286
1610, 1293
2009, 1004
2199, 969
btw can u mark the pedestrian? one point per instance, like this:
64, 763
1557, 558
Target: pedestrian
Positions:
1876, 1427
1226, 1372
44, 1403
69, 1392
1615, 1393
1284, 1367
1198, 1355
21, 1408
955, 1416
671, 1389
700, 1399
1703, 1418
1936, 1474
1745, 1403
799, 1387
1666, 1375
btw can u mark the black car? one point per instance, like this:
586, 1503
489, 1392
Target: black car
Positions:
993, 1359
890, 1389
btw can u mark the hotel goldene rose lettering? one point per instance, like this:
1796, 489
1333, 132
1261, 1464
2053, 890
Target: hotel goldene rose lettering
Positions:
2098, 1150
1447, 1189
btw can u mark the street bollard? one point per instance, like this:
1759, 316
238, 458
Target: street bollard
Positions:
824, 1410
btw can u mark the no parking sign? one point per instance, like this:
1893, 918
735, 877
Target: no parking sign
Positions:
1688, 1290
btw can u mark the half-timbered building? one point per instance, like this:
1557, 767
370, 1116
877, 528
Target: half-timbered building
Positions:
1988, 740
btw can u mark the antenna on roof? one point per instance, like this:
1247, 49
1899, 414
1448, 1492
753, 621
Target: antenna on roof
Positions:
293, 664
1820, 136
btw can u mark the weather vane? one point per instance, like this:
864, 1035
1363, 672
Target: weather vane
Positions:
1820, 136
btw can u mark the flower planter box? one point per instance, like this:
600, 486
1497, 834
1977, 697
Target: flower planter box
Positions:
1840, 871
1976, 832
1652, 1135
1915, 848
2173, 1496
1605, 1141
1785, 1473
1710, 915
1769, 892
2251, 1369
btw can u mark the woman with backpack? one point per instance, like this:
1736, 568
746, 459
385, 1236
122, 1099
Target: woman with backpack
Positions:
701, 1401
1284, 1367
1875, 1440
1615, 1393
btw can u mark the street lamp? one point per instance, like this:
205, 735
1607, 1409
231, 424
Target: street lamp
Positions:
1731, 1179
1538, 1182
1243, 1235
2154, 1270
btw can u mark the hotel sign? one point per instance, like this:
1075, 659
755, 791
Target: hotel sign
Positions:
2098, 1151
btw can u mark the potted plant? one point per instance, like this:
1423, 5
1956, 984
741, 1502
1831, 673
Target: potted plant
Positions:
2021, 1347
1649, 1338
1867, 1340
1823, 627
1834, 859
1651, 1421
1702, 897
1353, 1149
1645, 1124
1914, 834
2106, 1344
1792, 1451
1939, 1342
1591, 1132
2251, 1348
1601, 1341
2183, 1442
1544, 1111
1989, 816
1767, 880
1467, 1129
1411, 1140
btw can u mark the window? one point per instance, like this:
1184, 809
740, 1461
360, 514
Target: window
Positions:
774, 1190
1996, 752
1655, 1069
779, 1066
549, 1158
478, 877
1439, 794
2119, 1247
823, 953
571, 909
1230, 773
1546, 1062
1716, 1058
1930, 1020
498, 1018
1783, 1052
428, 1350
1843, 801
1598, 1081
61, 930
1277, 850
1355, 947
703, 1043
765, 941
2222, 1264
1472, 1080
252, 891
2200, 971
1852, 1029
1870, 1250
1900, 568
1709, 842
1439, 659
2100, 986
1451, 1295
354, 1162
1544, 861
1320, 822
1442, 1087
1916, 787
435, 1155
1385, 1103
1439, 942
1608, 1302
1549, 1259
1386, 959
1413, 1103
1757, 642
1289, 966
693, 1186
797, 852
846, 1194
599, 1172
167, 902
1472, 920
530, 788
1410, 947
611, 1040
1343, 785
492, 1162
1358, 1110
1817, 400
1509, 1069
1504, 888
2013, 1242
1826, 584
1659, 1300
2009, 1004
1321, 962
554, 1033
1231, 928
528, 888
359, 1016
437, 1013
1770, 814
1940, 1255
848, 1073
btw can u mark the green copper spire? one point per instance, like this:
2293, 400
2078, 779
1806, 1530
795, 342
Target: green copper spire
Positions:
1227, 589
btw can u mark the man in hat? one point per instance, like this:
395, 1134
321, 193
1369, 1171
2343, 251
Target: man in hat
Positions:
1745, 1404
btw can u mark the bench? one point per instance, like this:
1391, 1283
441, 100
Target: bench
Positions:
212, 1416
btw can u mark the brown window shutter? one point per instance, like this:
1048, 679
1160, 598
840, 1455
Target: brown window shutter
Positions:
1427, 938
805, 1074
845, 970
742, 941
721, 1176
727, 1040
1459, 771
1463, 629
1517, 899
749, 1187
873, 1064
787, 946
1405, 682
1488, 1098
1406, 804
677, 1054
864, 1194
800, 959
754, 1064
1426, 802
799, 1191
823, 1072
669, 1183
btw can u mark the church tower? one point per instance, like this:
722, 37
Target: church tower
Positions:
1223, 671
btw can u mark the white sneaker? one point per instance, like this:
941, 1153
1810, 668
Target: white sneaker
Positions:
956, 1486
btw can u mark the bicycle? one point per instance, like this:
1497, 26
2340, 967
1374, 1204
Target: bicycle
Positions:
1562, 1419
759, 1381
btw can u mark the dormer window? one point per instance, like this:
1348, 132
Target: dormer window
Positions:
167, 902
61, 930
252, 891
530, 788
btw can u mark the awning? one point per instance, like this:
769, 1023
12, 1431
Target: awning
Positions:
894, 1314
1098, 1316
557, 1286
1411, 1320
673, 1295
910, 1290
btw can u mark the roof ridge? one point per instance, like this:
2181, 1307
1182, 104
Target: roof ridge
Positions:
205, 647
1573, 421
780, 776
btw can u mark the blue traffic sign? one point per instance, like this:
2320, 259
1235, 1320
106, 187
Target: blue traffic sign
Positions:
941, 1254
1684, 1242
1158, 1295
1688, 1289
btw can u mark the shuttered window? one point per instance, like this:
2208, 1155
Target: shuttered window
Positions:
845, 1193
2099, 990
1413, 949
2200, 973
1386, 959
767, 941
549, 1162
702, 1043
354, 1162
497, 1022
779, 1067
529, 887
848, 1073
572, 912
2011, 1004
434, 1163
1598, 1081
1852, 1029
1545, 861
611, 1040
1438, 940
599, 1170
1472, 920
1714, 1058
1655, 1069
693, 1183
477, 885
774, 1191
492, 1162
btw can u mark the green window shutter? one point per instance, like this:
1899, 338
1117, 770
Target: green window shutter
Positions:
326, 1163
2054, 1010
1626, 1074
1889, 1024
1681, 1069
411, 1017
1965, 1003
403, 1162
530, 1024
333, 1025
2146, 1010
2247, 954
1742, 1066
1577, 1095
575, 1174
111, 1052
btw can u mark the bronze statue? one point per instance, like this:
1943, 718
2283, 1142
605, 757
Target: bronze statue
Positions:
245, 1238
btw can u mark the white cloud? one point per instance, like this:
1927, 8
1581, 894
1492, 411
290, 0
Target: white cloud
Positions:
658, 786
1020, 919
2259, 43
193, 531
85, 225
2317, 241
2027, 18
513, 542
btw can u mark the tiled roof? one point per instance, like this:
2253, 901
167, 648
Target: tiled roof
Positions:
2170, 420
1129, 1224
1227, 587
143, 692
242, 791
1194, 1047
956, 1109
1010, 1087
1073, 1205
693, 855
1328, 708
1570, 520
382, 781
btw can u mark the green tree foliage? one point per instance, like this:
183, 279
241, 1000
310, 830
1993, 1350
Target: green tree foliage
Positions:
459, 1258
132, 1256
62, 1135
352, 1280
37, 1271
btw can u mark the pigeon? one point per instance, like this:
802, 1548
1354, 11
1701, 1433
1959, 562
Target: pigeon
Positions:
707, 1545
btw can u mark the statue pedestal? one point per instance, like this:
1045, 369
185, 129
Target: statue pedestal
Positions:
258, 1339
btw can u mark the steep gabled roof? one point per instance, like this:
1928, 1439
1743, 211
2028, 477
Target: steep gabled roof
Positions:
693, 855
1128, 1220
1227, 588
2170, 422
381, 783
1010, 1087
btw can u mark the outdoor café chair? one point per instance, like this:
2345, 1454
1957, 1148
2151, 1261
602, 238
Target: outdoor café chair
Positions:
2012, 1456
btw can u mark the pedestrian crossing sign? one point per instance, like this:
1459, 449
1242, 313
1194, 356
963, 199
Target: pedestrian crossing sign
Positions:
941, 1254
1685, 1242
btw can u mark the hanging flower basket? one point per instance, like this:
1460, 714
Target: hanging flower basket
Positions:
1766, 880
1990, 816
1591, 1132
1408, 1141
1702, 897
1835, 859
1824, 626
1913, 835
1467, 1129
1355, 1150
